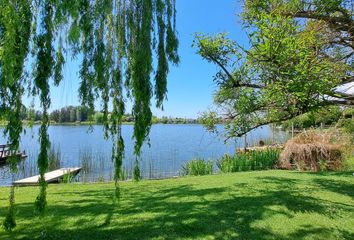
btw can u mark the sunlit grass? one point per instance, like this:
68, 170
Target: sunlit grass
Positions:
246, 205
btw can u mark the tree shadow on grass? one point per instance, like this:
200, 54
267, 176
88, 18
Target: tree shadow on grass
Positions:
183, 212
327, 173
307, 231
340, 187
344, 186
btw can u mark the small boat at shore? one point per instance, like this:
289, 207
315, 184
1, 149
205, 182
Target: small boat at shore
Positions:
6, 153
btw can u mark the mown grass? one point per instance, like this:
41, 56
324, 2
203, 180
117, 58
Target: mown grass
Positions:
247, 205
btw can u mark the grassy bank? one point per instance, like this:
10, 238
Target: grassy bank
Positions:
247, 205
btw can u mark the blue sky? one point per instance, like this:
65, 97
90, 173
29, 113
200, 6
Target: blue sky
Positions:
190, 85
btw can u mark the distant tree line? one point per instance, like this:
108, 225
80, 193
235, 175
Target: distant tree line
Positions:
70, 114
173, 120
77, 114
63, 115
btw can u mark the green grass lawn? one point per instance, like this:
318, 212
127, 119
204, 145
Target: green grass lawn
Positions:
247, 205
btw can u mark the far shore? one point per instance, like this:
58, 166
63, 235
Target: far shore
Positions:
26, 123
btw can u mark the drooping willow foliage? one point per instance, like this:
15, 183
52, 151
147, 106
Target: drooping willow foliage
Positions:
117, 42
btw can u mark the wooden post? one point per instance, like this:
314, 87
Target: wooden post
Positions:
273, 137
245, 142
235, 145
292, 129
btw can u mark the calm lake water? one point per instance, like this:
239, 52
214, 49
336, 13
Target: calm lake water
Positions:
170, 147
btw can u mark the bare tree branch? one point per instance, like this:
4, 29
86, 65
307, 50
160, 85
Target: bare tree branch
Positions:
236, 83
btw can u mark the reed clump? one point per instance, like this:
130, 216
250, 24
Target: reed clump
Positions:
315, 151
261, 159
54, 158
197, 167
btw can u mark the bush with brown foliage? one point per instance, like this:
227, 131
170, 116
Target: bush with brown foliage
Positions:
315, 151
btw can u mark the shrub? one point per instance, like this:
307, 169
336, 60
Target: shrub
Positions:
99, 118
348, 164
327, 116
348, 113
315, 151
347, 125
197, 167
246, 161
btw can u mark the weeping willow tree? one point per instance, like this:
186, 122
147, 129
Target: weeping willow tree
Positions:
116, 41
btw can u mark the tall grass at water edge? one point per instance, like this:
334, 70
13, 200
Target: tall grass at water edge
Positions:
248, 161
243, 161
197, 167
54, 158
96, 167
